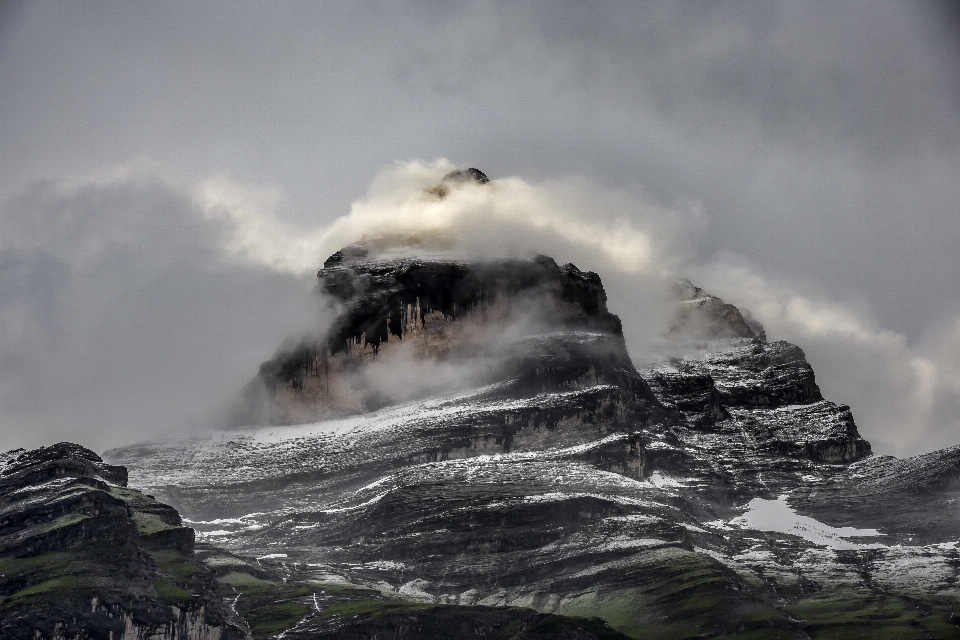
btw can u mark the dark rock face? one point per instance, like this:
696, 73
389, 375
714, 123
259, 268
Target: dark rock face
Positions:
530, 324
465, 176
466, 623
82, 556
701, 315
380, 297
914, 501
63, 460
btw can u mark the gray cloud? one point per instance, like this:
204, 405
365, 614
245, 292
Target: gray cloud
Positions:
821, 142
122, 318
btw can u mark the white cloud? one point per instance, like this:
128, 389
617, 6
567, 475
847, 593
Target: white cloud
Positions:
609, 228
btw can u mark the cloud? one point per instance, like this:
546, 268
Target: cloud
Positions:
134, 305
124, 312
507, 216
635, 243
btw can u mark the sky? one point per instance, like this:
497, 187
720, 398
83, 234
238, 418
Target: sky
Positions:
172, 174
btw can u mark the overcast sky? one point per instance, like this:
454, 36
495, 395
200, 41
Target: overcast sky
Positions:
813, 150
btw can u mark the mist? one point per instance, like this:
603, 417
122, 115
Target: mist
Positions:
135, 306
124, 315
772, 152
905, 393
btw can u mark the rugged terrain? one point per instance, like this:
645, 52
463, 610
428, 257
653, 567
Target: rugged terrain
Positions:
84, 556
716, 493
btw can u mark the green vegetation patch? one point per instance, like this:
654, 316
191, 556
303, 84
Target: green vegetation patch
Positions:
255, 588
676, 593
845, 614
268, 607
128, 495
61, 583
67, 520
57, 561
150, 523
244, 581
272, 619
169, 590
173, 568
173, 563
44, 573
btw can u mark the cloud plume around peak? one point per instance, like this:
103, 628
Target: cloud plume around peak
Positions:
609, 228
134, 305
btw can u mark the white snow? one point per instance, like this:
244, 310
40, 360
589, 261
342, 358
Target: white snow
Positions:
660, 480
778, 516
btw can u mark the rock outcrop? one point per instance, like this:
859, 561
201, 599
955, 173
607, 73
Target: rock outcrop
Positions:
82, 556
470, 452
531, 325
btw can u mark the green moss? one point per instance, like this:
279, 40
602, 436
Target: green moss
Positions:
170, 591
276, 618
65, 521
277, 590
268, 607
844, 614
241, 581
172, 562
41, 573
149, 523
55, 561
127, 495
675, 593
61, 583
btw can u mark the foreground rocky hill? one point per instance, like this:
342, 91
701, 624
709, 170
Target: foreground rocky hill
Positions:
84, 556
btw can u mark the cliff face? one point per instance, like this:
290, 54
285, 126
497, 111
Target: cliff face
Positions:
84, 557
531, 325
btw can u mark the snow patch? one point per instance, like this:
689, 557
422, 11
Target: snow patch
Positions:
778, 516
661, 481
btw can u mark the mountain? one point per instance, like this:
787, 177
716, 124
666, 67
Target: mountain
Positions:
469, 451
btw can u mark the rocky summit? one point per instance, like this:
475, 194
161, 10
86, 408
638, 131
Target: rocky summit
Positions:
470, 452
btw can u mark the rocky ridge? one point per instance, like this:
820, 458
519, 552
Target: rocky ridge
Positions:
84, 556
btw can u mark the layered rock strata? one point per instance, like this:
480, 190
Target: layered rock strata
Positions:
532, 325
82, 556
